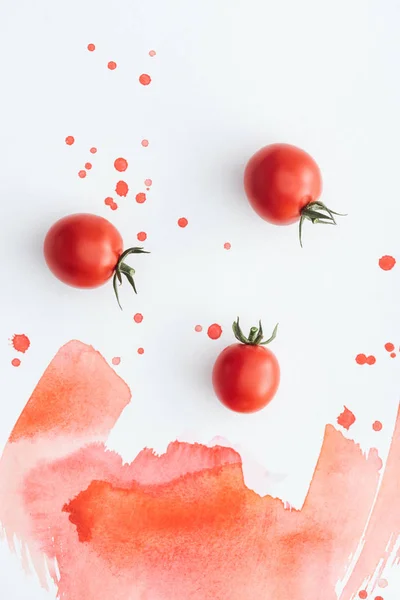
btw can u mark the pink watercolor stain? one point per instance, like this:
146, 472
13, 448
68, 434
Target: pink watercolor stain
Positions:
183, 524
214, 331
227, 246
20, 342
145, 143
116, 360
122, 188
198, 328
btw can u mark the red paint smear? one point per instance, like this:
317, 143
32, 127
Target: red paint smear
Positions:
227, 246
142, 236
82, 174
140, 198
148, 182
138, 318
88, 166
20, 342
15, 362
121, 164
214, 331
182, 525
377, 426
91, 47
198, 328
116, 360
140, 350
69, 140
371, 360
389, 346
183, 222
145, 79
112, 65
387, 263
346, 419
152, 53
145, 143
122, 188
93, 150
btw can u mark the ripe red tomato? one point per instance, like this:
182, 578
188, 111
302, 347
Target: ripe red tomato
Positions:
283, 184
246, 375
85, 251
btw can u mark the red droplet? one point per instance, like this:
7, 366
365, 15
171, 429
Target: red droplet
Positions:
145, 79
182, 222
346, 418
91, 47
387, 263
214, 331
93, 150
382, 583
88, 166
114, 206
152, 53
145, 143
378, 598
140, 350
389, 346
108, 201
363, 594
20, 342
121, 164
227, 246
112, 65
393, 354
116, 360
82, 174
148, 182
122, 188
142, 236
15, 362
138, 318
377, 426
361, 359
371, 360
69, 140
198, 328
141, 197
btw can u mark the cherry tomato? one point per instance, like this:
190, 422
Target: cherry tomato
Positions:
246, 375
85, 251
283, 184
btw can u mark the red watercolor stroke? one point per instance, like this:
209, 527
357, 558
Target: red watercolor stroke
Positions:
182, 525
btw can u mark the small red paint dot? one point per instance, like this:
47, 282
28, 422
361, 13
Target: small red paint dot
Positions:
361, 359
148, 182
116, 360
82, 174
122, 188
227, 246
152, 53
393, 355
140, 198
69, 140
140, 350
377, 426
145, 79
214, 331
20, 342
15, 362
383, 583
113, 206
198, 328
138, 318
93, 150
145, 143
88, 166
389, 347
363, 594
142, 236
371, 360
108, 201
91, 47
387, 263
378, 598
182, 222
112, 65
121, 164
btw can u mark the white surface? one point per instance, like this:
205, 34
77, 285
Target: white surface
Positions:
228, 78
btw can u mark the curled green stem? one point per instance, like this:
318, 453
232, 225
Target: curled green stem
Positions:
317, 212
123, 269
256, 335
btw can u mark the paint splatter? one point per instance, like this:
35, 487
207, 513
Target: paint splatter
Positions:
145, 143
227, 246
377, 426
110, 202
148, 182
371, 360
88, 166
389, 346
91, 47
346, 419
82, 174
20, 342
363, 594
140, 350
69, 140
145, 79
182, 222
116, 360
122, 188
198, 328
214, 331
362, 359
140, 198
15, 362
93, 150
121, 164
112, 65
138, 318
142, 236
387, 263
152, 53
393, 355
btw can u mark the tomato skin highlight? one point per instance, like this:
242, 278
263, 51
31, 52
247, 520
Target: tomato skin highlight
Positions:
279, 181
82, 250
246, 377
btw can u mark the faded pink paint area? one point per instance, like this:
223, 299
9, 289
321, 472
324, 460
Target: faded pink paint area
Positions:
182, 525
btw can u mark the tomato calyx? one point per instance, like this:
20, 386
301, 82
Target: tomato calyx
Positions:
256, 335
123, 269
317, 212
